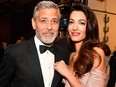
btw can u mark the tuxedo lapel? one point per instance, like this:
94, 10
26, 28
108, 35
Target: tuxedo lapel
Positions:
34, 64
60, 54
57, 77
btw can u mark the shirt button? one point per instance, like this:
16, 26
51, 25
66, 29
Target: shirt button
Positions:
49, 84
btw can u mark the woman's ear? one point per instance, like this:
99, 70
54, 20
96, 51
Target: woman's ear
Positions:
33, 23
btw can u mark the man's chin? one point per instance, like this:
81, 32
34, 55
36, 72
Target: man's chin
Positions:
47, 42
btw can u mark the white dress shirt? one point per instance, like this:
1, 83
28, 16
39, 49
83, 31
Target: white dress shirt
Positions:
47, 63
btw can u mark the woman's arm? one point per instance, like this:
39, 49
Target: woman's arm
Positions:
63, 69
97, 64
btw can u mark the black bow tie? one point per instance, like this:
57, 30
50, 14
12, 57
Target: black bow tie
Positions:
44, 48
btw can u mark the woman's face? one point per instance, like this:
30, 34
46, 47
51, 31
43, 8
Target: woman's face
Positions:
77, 26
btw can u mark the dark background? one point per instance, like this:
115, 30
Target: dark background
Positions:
15, 18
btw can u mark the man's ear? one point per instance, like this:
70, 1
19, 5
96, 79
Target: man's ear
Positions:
33, 23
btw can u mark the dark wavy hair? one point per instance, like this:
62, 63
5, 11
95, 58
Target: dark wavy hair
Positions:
85, 60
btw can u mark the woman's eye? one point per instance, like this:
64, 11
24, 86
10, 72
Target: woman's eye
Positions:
83, 23
70, 22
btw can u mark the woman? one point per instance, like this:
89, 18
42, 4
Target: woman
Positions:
87, 64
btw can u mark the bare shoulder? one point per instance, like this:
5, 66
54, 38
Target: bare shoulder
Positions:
99, 51
100, 64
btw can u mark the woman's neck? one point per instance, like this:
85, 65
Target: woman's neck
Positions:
78, 46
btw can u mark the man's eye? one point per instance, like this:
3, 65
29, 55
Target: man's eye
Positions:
55, 21
43, 21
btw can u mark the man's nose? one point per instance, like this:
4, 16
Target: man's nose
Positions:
49, 26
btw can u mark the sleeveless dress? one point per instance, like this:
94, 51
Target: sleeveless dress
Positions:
94, 78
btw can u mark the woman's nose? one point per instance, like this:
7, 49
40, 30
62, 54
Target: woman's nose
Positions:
75, 27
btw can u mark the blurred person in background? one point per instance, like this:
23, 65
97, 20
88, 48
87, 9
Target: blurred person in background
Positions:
20, 40
107, 51
112, 78
1, 49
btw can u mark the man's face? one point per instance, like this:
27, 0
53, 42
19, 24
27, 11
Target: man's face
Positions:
46, 25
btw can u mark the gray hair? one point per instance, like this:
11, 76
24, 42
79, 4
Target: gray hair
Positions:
45, 4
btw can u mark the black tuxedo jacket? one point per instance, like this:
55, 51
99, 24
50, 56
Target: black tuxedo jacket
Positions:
20, 66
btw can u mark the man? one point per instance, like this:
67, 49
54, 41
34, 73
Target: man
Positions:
23, 65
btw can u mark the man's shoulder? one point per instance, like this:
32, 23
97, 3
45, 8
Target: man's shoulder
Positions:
23, 45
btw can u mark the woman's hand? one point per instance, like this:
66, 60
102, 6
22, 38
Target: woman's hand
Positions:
62, 68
